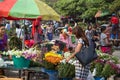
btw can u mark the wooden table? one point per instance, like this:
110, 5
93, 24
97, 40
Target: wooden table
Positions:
32, 73
10, 79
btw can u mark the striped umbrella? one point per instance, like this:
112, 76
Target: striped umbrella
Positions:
27, 9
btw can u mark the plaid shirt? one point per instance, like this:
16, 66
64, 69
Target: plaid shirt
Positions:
80, 71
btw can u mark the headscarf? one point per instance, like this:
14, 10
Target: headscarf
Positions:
34, 24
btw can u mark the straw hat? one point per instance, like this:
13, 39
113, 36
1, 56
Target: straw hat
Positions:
54, 47
64, 31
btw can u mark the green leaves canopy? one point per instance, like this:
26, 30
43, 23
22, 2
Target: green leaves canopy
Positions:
70, 7
85, 8
115, 6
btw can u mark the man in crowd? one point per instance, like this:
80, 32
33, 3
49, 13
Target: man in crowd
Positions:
115, 26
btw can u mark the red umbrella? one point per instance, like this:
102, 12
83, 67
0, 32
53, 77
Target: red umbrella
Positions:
6, 5
27, 9
4, 10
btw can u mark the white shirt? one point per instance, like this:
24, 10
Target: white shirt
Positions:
19, 32
7, 26
102, 39
88, 34
80, 40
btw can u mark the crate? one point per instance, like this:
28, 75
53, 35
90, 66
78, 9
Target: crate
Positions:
33, 75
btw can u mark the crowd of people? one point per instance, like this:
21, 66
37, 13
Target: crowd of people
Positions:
73, 36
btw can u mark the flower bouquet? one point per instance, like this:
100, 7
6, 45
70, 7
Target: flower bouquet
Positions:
105, 65
15, 43
51, 60
27, 54
22, 58
109, 69
66, 69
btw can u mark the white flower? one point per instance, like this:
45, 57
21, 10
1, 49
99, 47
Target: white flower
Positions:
73, 62
5, 53
67, 54
29, 54
63, 61
70, 61
34, 52
10, 52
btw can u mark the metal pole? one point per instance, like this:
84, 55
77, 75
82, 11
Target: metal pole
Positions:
23, 45
96, 20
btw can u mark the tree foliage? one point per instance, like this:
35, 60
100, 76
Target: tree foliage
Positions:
70, 7
50, 2
85, 8
115, 6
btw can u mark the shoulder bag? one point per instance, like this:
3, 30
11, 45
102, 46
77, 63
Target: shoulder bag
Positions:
86, 55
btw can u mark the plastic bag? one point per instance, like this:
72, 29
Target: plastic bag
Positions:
90, 76
1, 62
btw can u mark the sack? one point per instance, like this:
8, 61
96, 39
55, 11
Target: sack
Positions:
90, 76
86, 55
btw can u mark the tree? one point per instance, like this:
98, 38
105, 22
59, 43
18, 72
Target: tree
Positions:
70, 7
50, 2
84, 8
115, 6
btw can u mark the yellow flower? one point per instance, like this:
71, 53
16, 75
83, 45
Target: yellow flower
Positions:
53, 57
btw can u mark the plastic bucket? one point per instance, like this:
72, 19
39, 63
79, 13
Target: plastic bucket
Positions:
20, 62
52, 74
67, 79
99, 78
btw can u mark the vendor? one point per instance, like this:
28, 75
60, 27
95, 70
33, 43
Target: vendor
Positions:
3, 38
3, 42
64, 37
106, 46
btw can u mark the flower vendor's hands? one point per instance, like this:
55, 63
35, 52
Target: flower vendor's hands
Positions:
10, 57
67, 60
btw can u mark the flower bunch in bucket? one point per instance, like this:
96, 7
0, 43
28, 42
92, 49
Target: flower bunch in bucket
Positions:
51, 60
109, 69
66, 69
22, 58
105, 65
117, 75
30, 53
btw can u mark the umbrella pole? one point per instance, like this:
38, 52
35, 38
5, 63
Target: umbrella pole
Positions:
96, 20
23, 45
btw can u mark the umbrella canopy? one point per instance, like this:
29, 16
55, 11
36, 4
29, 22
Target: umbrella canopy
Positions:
102, 13
27, 9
